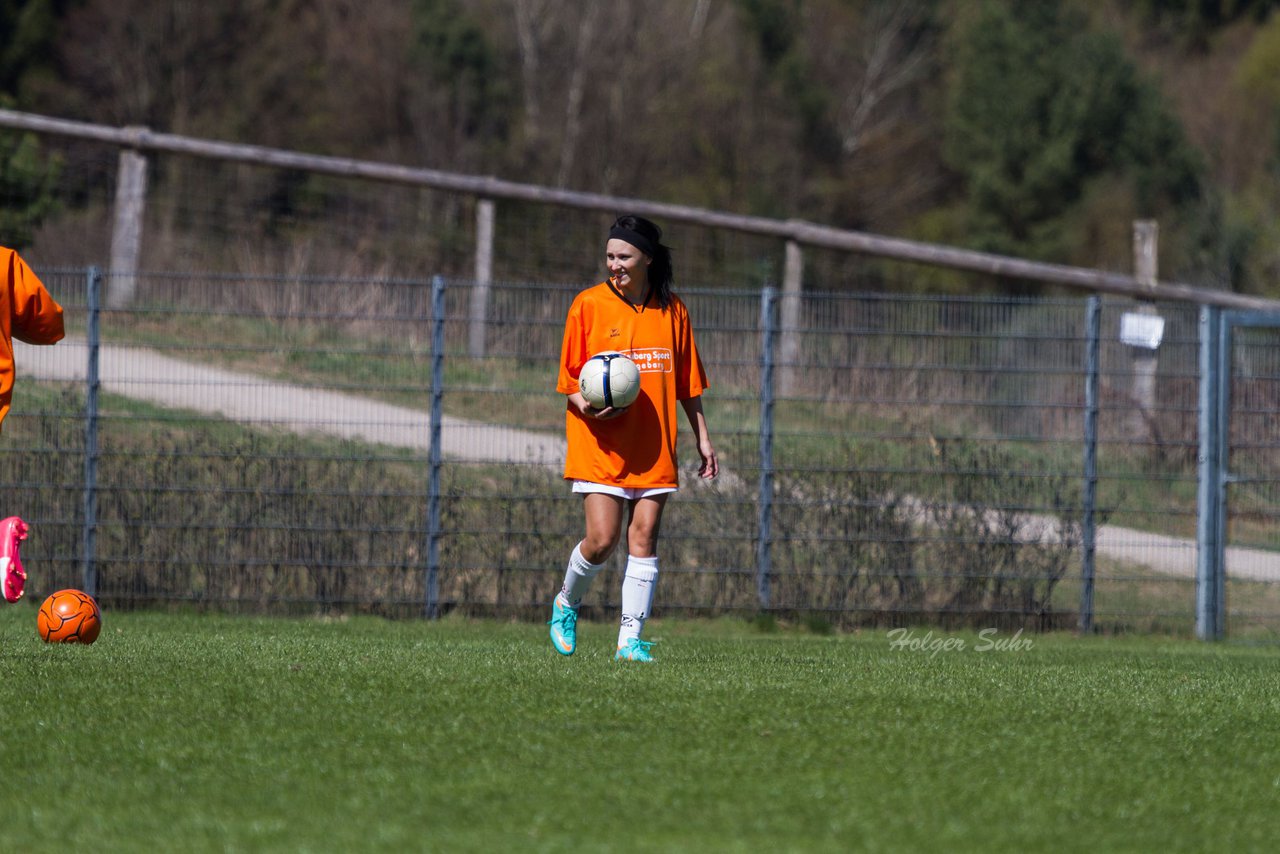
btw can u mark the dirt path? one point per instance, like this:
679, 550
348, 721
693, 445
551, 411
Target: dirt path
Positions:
144, 374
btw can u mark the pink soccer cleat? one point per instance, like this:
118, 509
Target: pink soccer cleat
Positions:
12, 532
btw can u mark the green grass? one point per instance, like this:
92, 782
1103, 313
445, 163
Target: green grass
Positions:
209, 733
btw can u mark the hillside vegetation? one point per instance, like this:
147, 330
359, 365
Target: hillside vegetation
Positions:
1040, 129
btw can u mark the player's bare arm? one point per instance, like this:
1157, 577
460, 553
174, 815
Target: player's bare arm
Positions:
698, 422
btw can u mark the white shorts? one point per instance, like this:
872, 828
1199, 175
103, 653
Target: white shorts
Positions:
629, 492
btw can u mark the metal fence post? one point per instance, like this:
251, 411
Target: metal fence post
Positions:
433, 479
93, 343
1209, 528
768, 329
1088, 527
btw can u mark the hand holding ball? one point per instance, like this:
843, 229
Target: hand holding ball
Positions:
609, 380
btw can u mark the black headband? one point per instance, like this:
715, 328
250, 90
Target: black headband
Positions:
636, 239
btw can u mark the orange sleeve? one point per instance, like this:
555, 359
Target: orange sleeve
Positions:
27, 313
691, 376
37, 317
573, 350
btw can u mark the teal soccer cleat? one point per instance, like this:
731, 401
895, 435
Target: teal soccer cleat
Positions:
564, 626
635, 650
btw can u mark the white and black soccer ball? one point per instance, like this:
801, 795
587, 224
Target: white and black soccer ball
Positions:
609, 379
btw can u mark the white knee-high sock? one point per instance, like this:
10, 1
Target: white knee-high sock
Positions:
578, 577
637, 596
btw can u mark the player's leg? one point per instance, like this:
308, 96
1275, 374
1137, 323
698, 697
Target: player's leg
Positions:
641, 576
603, 514
12, 532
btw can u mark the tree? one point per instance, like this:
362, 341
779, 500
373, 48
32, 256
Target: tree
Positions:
877, 60
1194, 21
28, 31
1252, 219
27, 180
27, 175
1040, 110
463, 92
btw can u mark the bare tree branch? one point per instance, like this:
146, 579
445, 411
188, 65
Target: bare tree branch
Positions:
529, 37
698, 20
573, 101
889, 65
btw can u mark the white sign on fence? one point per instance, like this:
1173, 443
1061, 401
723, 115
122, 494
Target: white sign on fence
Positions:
1142, 330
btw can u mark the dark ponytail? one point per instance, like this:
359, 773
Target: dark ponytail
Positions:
647, 237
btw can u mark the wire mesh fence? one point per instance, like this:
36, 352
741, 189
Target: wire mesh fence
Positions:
1250, 491
264, 444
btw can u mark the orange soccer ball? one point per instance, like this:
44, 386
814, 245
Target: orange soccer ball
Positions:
69, 616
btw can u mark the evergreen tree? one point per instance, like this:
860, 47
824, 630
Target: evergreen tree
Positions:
1040, 108
27, 175
464, 81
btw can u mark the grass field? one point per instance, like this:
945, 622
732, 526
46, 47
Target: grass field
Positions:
203, 733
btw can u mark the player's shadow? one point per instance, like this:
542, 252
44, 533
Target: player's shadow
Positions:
626, 436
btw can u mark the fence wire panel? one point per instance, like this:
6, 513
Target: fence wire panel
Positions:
928, 457
505, 517
262, 441
1147, 470
1253, 553
264, 445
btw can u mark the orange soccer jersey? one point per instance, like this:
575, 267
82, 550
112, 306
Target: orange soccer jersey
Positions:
637, 449
27, 313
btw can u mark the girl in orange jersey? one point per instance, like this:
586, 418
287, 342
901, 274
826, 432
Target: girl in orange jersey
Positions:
623, 461
27, 313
